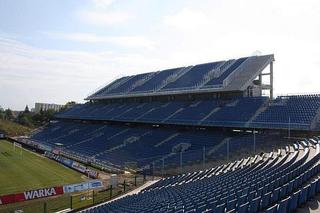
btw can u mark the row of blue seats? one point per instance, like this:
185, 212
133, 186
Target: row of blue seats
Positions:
207, 112
120, 144
117, 144
296, 112
290, 110
276, 183
172, 79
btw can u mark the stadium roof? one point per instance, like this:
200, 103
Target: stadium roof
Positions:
220, 76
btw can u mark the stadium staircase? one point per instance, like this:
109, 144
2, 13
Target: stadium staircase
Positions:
263, 108
174, 77
173, 114
113, 136
125, 142
273, 182
167, 139
215, 73
216, 109
142, 81
88, 139
116, 84
122, 113
215, 148
145, 113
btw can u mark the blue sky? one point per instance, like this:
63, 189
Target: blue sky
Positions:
60, 50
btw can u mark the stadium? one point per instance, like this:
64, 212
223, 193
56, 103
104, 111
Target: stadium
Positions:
205, 138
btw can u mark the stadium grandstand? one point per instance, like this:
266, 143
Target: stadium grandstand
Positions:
273, 182
212, 117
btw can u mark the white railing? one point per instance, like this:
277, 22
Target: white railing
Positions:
317, 94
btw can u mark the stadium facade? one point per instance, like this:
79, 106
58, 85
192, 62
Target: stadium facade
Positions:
197, 115
186, 115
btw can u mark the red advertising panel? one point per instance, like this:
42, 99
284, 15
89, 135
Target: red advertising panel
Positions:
31, 195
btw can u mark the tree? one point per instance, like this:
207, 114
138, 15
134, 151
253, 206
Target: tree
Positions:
8, 114
68, 105
43, 117
25, 118
26, 109
1, 113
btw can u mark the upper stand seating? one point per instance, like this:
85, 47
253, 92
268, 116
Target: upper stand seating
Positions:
295, 112
208, 76
228, 112
154, 83
298, 112
126, 86
193, 77
273, 182
219, 80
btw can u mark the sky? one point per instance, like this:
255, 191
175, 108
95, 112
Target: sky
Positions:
56, 51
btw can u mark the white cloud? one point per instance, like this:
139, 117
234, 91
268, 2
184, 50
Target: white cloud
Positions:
104, 18
102, 4
124, 41
47, 75
187, 19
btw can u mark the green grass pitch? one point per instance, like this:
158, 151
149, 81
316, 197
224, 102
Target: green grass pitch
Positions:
29, 171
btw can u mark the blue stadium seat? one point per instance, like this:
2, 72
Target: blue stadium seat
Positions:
293, 203
255, 205
272, 209
265, 200
284, 206
303, 195
243, 208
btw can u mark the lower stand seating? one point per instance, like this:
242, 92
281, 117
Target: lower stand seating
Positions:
273, 182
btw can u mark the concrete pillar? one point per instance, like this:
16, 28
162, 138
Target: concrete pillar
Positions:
271, 80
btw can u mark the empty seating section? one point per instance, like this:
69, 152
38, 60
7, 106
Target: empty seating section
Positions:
120, 144
243, 144
163, 111
201, 76
256, 112
296, 111
154, 83
237, 112
110, 86
193, 77
226, 73
194, 112
273, 182
128, 85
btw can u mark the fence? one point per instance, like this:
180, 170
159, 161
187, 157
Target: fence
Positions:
75, 201
208, 157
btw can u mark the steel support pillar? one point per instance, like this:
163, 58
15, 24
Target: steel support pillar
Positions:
271, 80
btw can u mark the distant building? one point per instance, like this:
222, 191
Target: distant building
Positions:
46, 107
